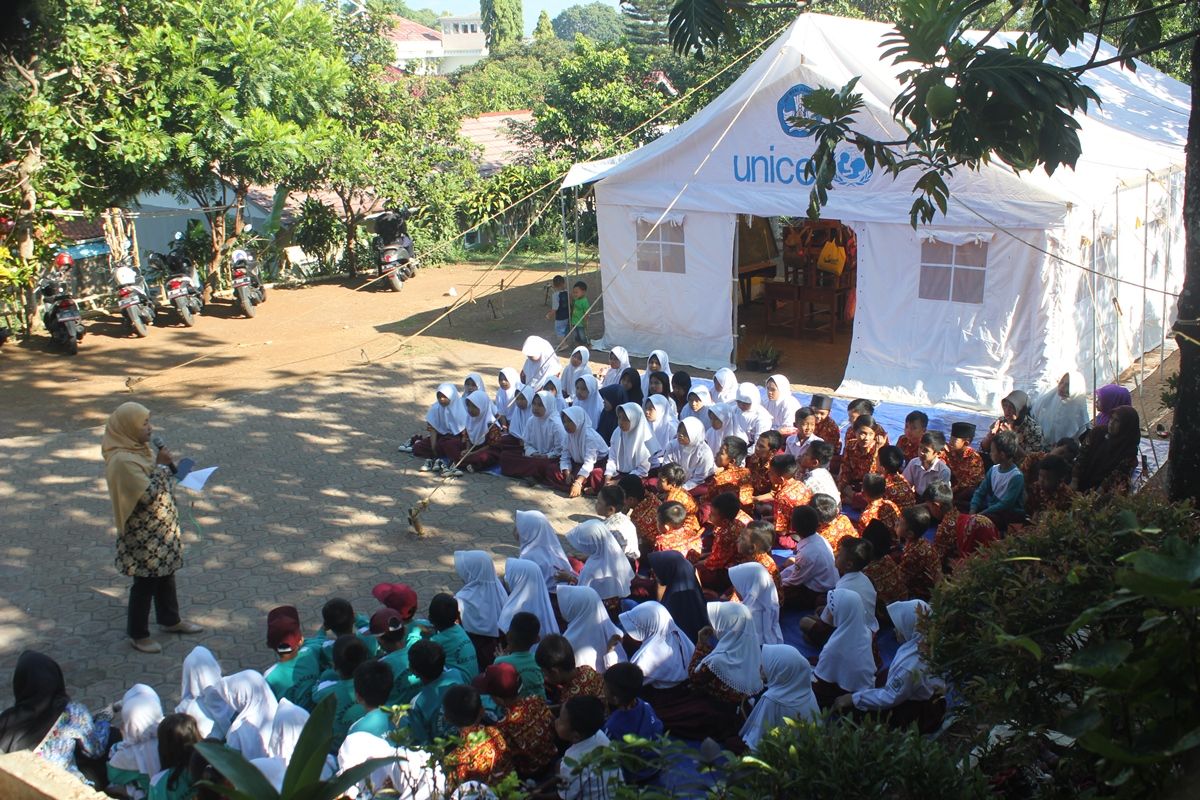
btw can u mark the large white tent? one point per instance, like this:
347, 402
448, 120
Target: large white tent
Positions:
1077, 270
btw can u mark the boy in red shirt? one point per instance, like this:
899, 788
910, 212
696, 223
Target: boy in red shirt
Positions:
483, 755
674, 533
861, 456
966, 465
891, 465
728, 523
915, 426
562, 678
832, 524
527, 725
755, 545
920, 567
878, 506
789, 493
732, 474
827, 428
671, 478
939, 500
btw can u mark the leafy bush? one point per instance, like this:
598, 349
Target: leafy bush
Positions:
318, 231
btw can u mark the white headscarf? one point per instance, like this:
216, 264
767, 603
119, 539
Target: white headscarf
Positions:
540, 361
255, 705
697, 458
361, 747
607, 569
729, 385
545, 434
527, 592
705, 398
665, 364
480, 386
666, 651
783, 410
614, 373
553, 385
572, 373
482, 596
750, 423
285, 730
629, 451
519, 417
585, 435
755, 586
1061, 417
448, 420
665, 426
589, 628
141, 711
202, 672
505, 397
716, 436
594, 404
737, 658
904, 614
539, 543
478, 426
847, 659
789, 693
273, 769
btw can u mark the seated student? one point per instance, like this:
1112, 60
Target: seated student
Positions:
671, 480
732, 474
348, 653
717, 425
966, 465
847, 662
479, 603
657, 361
725, 668
478, 447
916, 424
781, 404
254, 705
527, 725
177, 736
394, 645
584, 454
401, 598
1018, 419
541, 362
976, 534
508, 382
899, 490
594, 638
1109, 454
874, 489
725, 386
811, 571
909, 693
789, 694
852, 558
483, 753
883, 569
543, 438
1052, 490
527, 594
788, 494
766, 447
642, 508
750, 420
631, 384
755, 588
690, 451
618, 362
814, 465
827, 428
524, 632
606, 569
927, 466
832, 525
755, 547
294, 674
629, 715
445, 421
920, 567
713, 566
664, 650
587, 397
632, 445
663, 424
424, 717
805, 424
865, 408
372, 687
202, 697
581, 722
674, 533
610, 507
561, 677
939, 499
861, 456
578, 365
681, 388
1001, 496
696, 401
539, 543
457, 648
337, 620
678, 591
660, 384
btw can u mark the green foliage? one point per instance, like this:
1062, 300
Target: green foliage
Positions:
318, 230
1170, 392
503, 23
645, 22
598, 21
423, 16
514, 79
544, 31
1051, 608
489, 205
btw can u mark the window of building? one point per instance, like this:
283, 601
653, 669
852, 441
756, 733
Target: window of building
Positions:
474, 28
456, 30
953, 272
660, 249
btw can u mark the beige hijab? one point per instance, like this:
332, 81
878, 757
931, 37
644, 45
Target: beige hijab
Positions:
127, 461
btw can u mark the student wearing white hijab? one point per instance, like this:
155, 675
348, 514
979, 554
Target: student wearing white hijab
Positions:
255, 704
847, 663
527, 592
473, 383
592, 634
632, 445
573, 372
756, 588
583, 449
781, 405
665, 651
586, 395
618, 362
509, 382
273, 769
1062, 410
698, 400
660, 416
539, 543
789, 694
718, 425
480, 599
201, 695
749, 419
725, 386
690, 451
540, 362
134, 760
474, 451
413, 773
736, 661
445, 419
660, 358
552, 384
520, 414
606, 569
543, 440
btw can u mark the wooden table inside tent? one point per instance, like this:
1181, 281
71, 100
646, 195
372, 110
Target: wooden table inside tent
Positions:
809, 300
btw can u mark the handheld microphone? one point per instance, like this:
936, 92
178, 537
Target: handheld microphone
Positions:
158, 442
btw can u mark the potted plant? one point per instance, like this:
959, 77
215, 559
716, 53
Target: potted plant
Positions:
764, 356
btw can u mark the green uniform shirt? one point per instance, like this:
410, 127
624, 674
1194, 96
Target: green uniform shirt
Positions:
374, 721
295, 679
184, 790
460, 651
425, 719
346, 712
578, 308
531, 674
406, 684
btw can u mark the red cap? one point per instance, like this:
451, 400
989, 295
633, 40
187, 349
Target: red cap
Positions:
283, 634
283, 611
498, 680
385, 620
399, 597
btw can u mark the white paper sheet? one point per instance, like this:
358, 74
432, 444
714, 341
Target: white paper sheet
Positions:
196, 479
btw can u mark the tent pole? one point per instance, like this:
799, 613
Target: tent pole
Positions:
562, 208
737, 256
576, 189
1095, 309
1145, 280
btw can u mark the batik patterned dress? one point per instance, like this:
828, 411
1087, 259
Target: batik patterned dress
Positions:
150, 546
528, 728
483, 755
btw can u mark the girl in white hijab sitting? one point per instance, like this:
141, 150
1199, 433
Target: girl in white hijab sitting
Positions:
134, 760
690, 450
618, 362
543, 439
540, 362
578, 365
480, 602
632, 447
789, 694
477, 448
584, 455
539, 543
847, 662
446, 419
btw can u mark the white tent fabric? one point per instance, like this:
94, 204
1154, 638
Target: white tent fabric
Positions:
667, 217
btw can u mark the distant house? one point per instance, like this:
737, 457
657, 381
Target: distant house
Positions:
463, 42
492, 134
419, 50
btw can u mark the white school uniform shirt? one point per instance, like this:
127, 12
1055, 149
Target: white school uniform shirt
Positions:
737, 658
794, 447
526, 592
702, 394
448, 420
631, 453
814, 567
141, 711
594, 404
544, 436
571, 373
908, 675
202, 695
819, 481
729, 386
606, 569
716, 436
503, 402
539, 543
587, 783
541, 361
697, 458
614, 373
664, 428
625, 531
584, 446
861, 585
920, 478
519, 417
252, 698
783, 410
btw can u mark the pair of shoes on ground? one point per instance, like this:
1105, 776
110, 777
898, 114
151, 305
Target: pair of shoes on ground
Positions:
443, 467
148, 645
405, 448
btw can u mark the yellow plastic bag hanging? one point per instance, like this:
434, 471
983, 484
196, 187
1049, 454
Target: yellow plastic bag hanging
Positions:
832, 258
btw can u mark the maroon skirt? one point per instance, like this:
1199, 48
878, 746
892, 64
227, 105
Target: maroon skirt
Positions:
457, 452
515, 464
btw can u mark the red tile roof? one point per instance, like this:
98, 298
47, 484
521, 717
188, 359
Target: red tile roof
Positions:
405, 30
491, 132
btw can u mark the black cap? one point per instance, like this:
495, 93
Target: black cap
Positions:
963, 430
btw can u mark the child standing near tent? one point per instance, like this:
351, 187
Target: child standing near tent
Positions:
579, 310
560, 307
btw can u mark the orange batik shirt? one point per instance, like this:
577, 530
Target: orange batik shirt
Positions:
857, 462
828, 430
920, 568
833, 532
680, 495
908, 447
899, 491
732, 479
528, 728
483, 756
883, 510
966, 468
790, 494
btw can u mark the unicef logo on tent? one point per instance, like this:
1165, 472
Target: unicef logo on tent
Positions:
851, 168
792, 105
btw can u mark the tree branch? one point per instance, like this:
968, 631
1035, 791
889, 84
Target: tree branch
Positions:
1012, 11
1142, 13
1099, 31
1165, 43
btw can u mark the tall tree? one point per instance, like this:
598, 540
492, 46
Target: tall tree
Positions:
646, 21
544, 31
598, 21
503, 22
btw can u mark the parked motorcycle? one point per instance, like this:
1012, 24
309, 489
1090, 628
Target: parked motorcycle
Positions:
247, 285
133, 297
184, 288
60, 312
395, 248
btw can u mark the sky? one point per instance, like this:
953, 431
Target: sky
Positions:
530, 8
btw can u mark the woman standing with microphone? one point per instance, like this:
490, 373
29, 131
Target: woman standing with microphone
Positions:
149, 544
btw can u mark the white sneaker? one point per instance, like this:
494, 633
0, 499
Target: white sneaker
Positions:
405, 448
440, 466
452, 472
428, 466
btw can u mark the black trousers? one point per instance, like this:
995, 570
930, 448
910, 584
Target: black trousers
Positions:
160, 592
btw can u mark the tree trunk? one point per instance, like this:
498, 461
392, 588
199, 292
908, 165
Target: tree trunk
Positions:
1185, 436
351, 240
24, 219
216, 230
